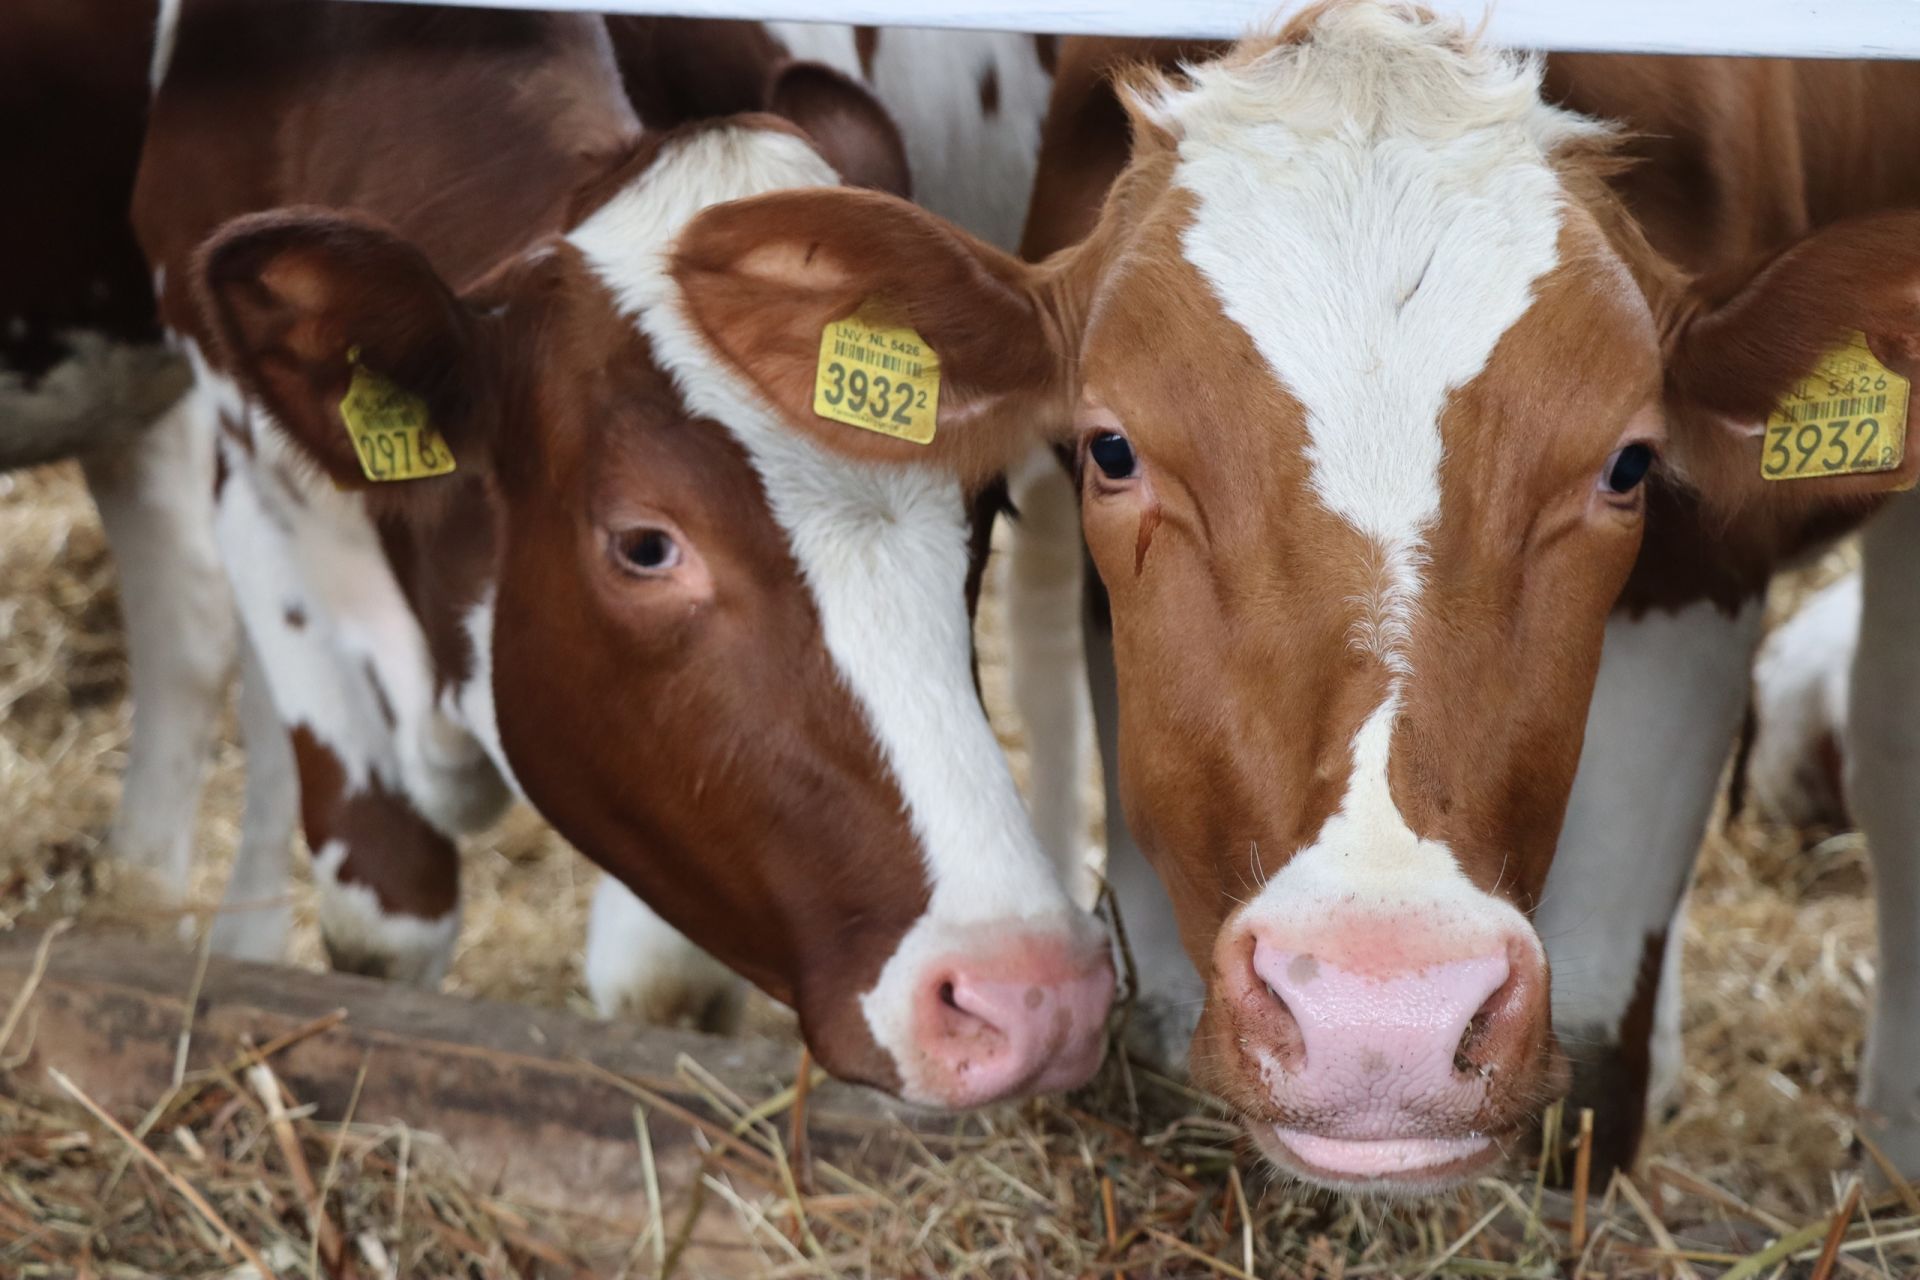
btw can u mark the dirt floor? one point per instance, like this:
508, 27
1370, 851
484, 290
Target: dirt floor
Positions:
1779, 959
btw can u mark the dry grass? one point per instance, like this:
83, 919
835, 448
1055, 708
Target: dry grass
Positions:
1779, 964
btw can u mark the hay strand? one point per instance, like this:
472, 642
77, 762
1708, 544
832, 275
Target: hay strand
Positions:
185, 1189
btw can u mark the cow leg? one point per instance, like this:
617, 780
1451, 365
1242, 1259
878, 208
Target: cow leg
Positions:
1883, 785
1168, 992
153, 494
1044, 653
1668, 702
641, 967
255, 915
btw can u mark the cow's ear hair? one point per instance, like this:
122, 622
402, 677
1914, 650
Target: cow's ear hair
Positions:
1735, 357
307, 306
844, 121
762, 279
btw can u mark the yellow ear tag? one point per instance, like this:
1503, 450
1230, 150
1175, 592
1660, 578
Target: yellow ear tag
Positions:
1848, 417
389, 428
878, 375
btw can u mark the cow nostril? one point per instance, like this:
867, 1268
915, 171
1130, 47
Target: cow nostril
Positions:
1462, 1063
948, 998
1474, 1034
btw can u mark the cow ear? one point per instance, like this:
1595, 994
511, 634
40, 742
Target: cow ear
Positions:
351, 341
763, 280
845, 121
1764, 350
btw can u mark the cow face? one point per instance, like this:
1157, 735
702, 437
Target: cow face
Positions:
1366, 369
728, 665
1358, 556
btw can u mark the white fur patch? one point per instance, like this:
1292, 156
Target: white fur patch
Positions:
361, 935
1800, 690
472, 702
640, 966
1666, 705
151, 490
883, 549
1373, 209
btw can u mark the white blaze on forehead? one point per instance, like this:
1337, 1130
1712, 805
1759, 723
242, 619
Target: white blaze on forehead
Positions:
883, 550
1373, 207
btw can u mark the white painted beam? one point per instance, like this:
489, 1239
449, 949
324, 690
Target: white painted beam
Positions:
1769, 28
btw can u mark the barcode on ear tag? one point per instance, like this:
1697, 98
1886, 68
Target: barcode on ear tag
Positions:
1847, 417
877, 374
391, 433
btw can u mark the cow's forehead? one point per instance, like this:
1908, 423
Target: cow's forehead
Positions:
1375, 227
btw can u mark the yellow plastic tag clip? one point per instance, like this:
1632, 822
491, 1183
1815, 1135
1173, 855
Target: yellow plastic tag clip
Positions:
391, 433
1847, 417
877, 374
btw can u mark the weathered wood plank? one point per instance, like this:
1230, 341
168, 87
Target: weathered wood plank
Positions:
512, 1088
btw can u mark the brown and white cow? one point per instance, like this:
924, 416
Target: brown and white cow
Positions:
730, 666
1715, 190
1367, 357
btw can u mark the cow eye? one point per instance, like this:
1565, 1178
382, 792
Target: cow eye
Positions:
646, 550
1113, 454
1627, 468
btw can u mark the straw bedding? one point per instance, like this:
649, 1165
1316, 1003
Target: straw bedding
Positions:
1134, 1176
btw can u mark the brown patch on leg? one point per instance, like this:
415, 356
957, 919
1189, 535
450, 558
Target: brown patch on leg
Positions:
1612, 1078
1831, 761
866, 43
408, 865
1048, 48
990, 92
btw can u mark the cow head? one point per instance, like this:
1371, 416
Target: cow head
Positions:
1366, 369
730, 666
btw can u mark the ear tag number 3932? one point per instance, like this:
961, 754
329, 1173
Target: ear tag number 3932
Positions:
877, 374
1847, 417
389, 428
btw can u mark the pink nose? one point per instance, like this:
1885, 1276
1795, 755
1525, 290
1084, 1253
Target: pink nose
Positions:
1027, 1018
1390, 1072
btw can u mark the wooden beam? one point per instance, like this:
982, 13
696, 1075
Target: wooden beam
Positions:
1765, 28
515, 1090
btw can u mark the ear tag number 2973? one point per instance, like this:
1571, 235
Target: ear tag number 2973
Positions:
877, 374
390, 430
1847, 417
